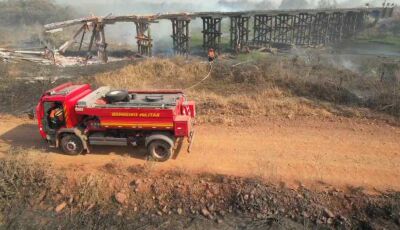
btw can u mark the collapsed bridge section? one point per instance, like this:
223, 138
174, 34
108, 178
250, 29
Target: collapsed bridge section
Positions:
313, 27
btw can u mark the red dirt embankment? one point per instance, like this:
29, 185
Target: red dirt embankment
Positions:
311, 152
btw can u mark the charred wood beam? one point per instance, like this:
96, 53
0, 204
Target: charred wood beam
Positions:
212, 33
302, 28
283, 29
239, 32
83, 37
391, 10
318, 35
70, 42
101, 43
143, 37
262, 33
361, 21
181, 36
349, 24
98, 38
335, 27
92, 38
383, 12
387, 10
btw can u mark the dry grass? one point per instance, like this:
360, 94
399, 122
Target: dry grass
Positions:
262, 86
24, 181
17, 97
155, 73
271, 86
230, 92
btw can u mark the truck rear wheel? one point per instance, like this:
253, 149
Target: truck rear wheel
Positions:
71, 145
160, 150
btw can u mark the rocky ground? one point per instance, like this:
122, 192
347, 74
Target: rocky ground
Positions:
136, 197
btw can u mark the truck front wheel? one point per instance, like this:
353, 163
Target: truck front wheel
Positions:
160, 150
71, 145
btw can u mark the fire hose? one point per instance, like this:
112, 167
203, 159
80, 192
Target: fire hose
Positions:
205, 78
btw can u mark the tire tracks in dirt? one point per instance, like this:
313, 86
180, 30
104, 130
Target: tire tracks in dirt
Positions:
306, 151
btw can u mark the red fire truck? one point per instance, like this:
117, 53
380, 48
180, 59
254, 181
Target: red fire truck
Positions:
157, 119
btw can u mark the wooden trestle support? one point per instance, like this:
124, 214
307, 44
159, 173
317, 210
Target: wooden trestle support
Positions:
212, 33
143, 37
270, 28
181, 35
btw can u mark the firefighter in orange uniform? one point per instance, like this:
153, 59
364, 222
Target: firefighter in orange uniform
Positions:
56, 116
211, 55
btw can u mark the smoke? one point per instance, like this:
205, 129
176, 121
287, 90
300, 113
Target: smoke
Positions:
295, 4
338, 60
102, 7
118, 7
361, 3
235, 5
325, 4
344, 62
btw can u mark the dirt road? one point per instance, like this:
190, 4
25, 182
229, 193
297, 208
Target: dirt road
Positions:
340, 152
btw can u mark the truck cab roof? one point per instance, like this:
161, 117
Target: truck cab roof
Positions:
67, 90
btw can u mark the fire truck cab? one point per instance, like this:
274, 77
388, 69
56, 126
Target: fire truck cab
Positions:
157, 119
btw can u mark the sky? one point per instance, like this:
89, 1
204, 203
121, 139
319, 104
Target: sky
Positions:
118, 7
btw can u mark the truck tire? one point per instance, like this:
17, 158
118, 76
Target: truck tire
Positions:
71, 145
160, 150
117, 96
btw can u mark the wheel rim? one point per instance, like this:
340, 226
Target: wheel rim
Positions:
160, 151
71, 146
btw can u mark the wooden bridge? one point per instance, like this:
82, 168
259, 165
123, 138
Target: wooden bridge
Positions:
311, 27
